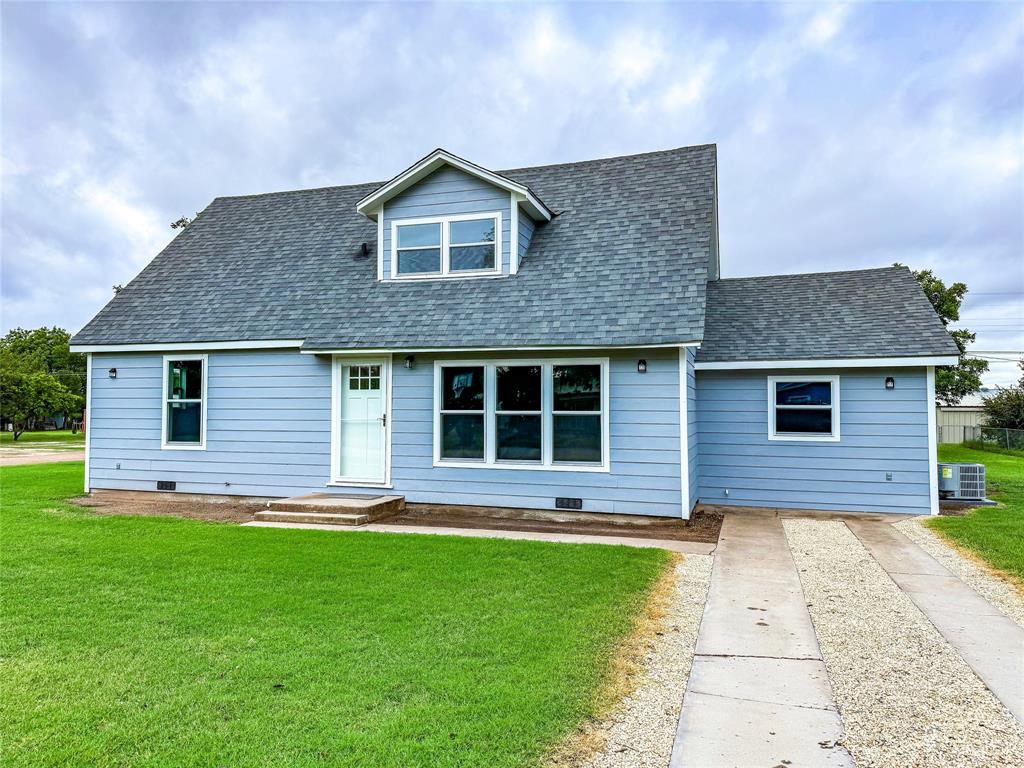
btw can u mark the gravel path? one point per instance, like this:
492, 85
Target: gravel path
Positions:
639, 732
1001, 593
906, 697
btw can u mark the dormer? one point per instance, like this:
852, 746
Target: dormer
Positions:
446, 218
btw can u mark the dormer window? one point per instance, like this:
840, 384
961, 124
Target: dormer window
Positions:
446, 246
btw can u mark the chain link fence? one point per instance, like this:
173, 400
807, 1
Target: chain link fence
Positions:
996, 437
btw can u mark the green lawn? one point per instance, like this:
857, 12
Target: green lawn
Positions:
54, 438
996, 534
159, 641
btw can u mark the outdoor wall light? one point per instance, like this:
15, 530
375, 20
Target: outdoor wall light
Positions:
112, 373
641, 366
890, 382
410, 361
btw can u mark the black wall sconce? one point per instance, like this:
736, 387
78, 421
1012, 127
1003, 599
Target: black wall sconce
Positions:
410, 361
890, 382
641, 366
112, 373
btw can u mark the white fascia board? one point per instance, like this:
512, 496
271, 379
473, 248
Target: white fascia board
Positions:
447, 350
849, 362
199, 346
87, 422
368, 205
684, 436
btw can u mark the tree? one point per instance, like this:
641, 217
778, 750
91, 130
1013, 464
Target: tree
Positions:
1005, 409
39, 376
953, 382
30, 396
183, 222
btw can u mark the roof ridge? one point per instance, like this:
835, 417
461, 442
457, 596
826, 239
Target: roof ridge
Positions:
371, 184
377, 184
811, 274
611, 158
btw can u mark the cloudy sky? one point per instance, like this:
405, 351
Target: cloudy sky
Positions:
848, 136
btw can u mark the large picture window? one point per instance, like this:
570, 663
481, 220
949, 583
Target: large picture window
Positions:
541, 413
184, 402
446, 246
803, 408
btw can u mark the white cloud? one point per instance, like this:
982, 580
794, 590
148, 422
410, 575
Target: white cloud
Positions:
848, 136
825, 24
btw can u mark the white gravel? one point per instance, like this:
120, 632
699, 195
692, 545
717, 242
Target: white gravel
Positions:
639, 732
998, 591
906, 696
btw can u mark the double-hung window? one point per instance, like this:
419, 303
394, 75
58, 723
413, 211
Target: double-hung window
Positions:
518, 413
184, 402
803, 408
450, 246
576, 413
462, 412
522, 413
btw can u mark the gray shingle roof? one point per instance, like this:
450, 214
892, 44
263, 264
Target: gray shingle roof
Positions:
864, 313
624, 261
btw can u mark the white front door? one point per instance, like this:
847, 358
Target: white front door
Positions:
363, 420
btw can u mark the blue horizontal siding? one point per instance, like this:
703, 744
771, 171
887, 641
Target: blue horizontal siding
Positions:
881, 431
449, 191
268, 434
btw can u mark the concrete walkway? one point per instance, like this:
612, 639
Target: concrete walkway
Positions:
988, 641
758, 693
683, 547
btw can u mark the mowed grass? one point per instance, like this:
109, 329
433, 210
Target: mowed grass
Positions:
995, 534
54, 438
131, 641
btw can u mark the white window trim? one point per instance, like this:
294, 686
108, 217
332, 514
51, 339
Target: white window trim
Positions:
205, 410
337, 363
807, 438
446, 272
547, 420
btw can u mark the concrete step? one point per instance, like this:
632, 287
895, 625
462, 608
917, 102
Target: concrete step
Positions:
332, 508
320, 518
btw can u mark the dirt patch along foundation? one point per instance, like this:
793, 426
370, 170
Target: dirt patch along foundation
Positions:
217, 509
702, 527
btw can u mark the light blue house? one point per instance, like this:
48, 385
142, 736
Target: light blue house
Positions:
548, 337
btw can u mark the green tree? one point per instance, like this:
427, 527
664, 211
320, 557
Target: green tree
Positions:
1005, 409
27, 395
39, 376
953, 382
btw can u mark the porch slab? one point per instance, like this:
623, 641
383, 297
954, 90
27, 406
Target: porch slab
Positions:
332, 509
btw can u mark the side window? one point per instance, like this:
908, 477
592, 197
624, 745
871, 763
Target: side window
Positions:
184, 422
803, 408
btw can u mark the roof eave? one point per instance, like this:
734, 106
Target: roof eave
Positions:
370, 205
837, 362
